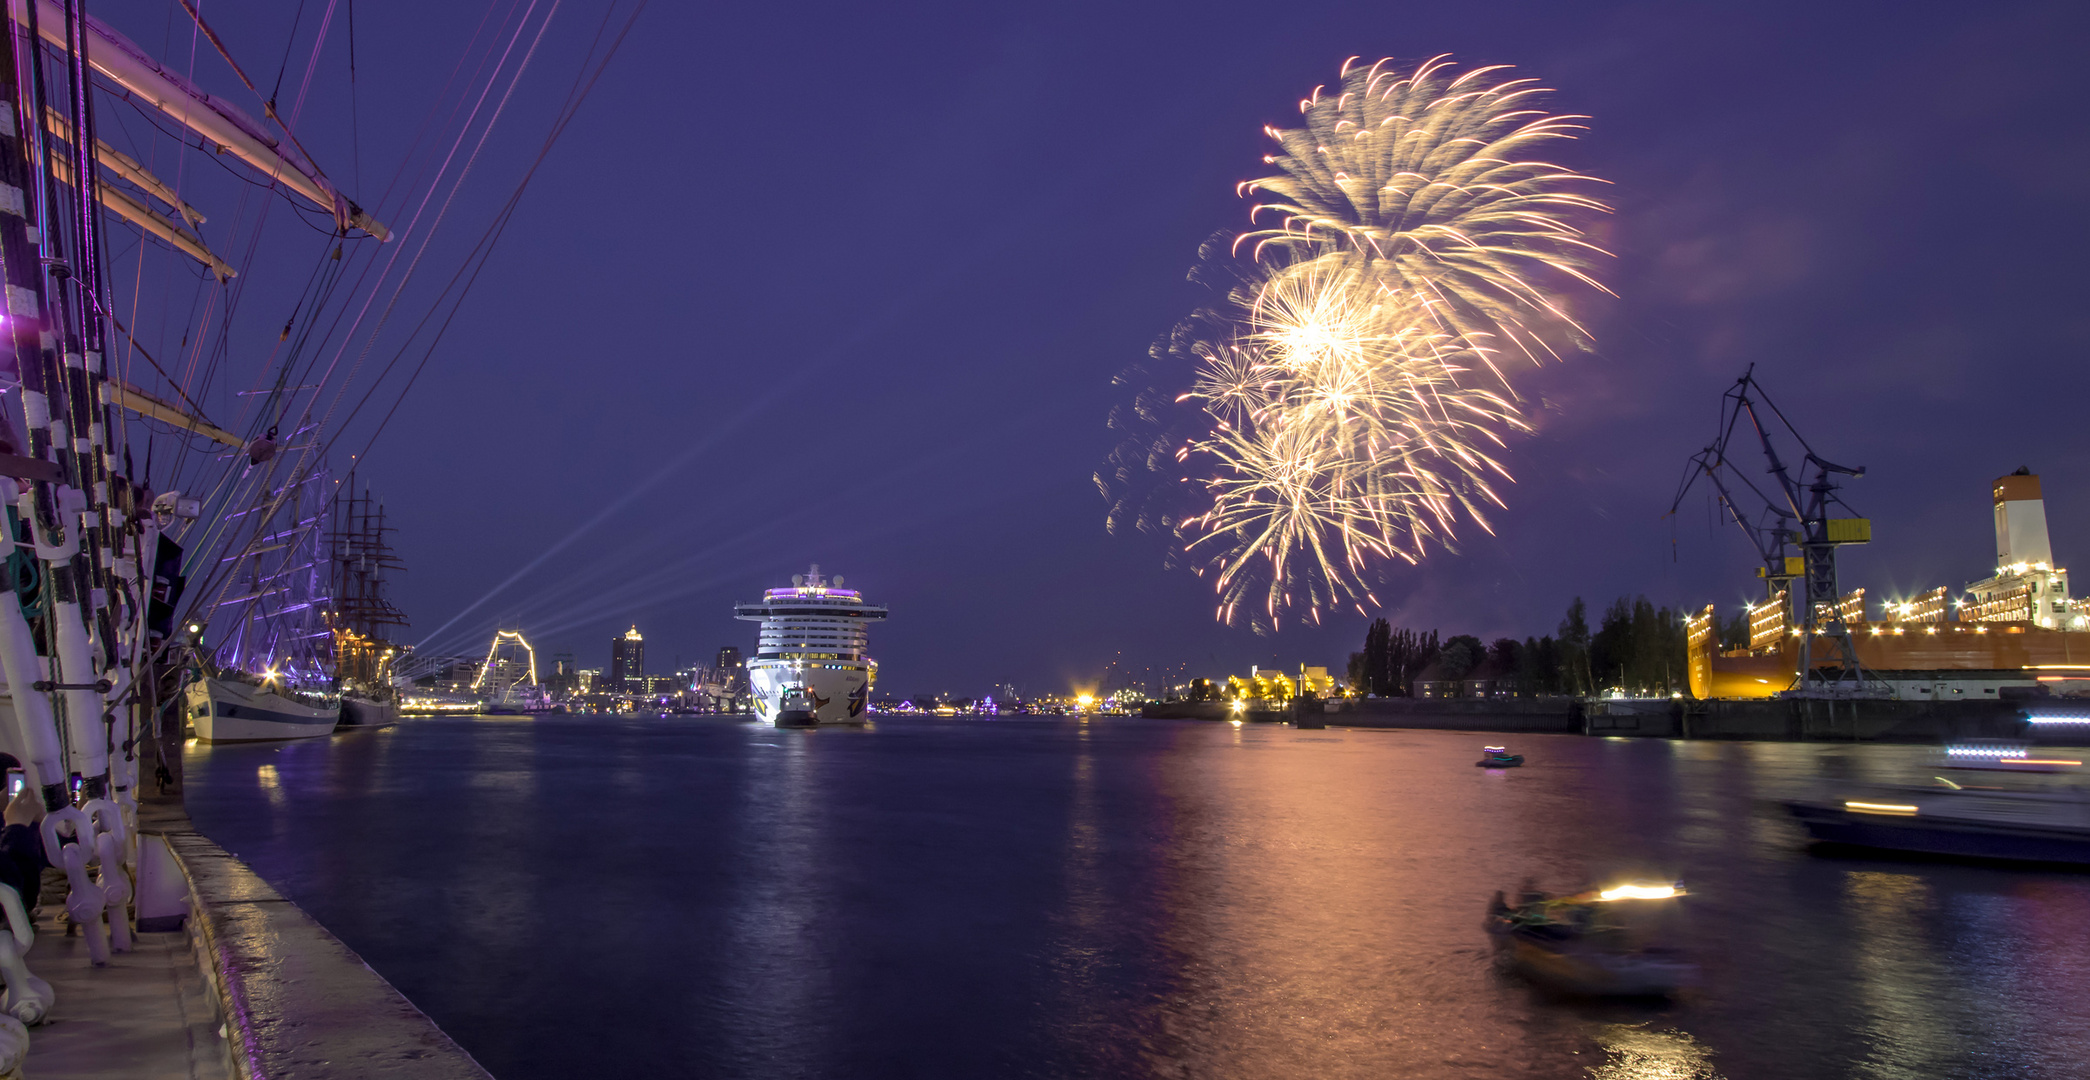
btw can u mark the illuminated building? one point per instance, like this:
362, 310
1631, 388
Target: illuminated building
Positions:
732, 670
563, 681
727, 682
2027, 586
627, 658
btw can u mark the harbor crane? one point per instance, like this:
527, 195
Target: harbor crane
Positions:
1794, 514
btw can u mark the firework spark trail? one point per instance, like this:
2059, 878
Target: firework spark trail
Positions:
1430, 178
1347, 403
1343, 436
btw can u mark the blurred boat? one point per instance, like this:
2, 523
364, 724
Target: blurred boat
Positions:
2001, 755
1951, 819
1606, 943
1498, 757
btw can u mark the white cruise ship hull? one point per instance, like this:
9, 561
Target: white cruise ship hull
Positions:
835, 693
225, 711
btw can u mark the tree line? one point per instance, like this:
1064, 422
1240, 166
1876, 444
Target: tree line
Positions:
1635, 646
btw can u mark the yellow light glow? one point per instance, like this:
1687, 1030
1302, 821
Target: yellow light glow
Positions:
1890, 809
1640, 892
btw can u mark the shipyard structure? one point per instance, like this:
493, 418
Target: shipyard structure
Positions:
2015, 634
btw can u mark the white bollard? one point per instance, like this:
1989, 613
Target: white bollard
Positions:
110, 841
14, 1047
28, 998
85, 903
116, 891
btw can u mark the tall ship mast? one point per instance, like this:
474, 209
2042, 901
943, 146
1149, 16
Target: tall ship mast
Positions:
271, 676
275, 598
363, 620
165, 432
809, 666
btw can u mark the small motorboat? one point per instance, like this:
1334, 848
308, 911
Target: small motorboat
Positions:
1498, 757
1600, 943
796, 708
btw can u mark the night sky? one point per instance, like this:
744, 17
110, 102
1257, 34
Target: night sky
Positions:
849, 284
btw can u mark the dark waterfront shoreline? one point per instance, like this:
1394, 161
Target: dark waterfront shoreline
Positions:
1769, 721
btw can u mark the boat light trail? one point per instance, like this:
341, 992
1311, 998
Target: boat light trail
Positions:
1890, 809
1640, 892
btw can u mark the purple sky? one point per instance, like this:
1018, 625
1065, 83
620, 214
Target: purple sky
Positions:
850, 285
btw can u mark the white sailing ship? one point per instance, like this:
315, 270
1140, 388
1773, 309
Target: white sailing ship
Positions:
226, 709
272, 677
809, 667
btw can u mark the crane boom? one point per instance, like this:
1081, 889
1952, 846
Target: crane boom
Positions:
1795, 515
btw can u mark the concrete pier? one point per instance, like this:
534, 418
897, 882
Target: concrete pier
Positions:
146, 1016
282, 997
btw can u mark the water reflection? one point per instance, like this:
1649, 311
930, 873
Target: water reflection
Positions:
1128, 898
772, 940
1899, 975
1639, 1052
271, 785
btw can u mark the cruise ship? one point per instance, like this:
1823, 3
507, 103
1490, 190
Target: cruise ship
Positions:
809, 667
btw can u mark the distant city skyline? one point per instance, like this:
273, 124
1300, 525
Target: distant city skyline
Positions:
906, 377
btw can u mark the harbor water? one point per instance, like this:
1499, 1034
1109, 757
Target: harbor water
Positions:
592, 896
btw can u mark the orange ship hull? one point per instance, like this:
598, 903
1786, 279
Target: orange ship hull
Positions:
2057, 657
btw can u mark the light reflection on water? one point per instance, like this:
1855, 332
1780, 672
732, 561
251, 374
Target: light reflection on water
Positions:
1123, 897
1638, 1052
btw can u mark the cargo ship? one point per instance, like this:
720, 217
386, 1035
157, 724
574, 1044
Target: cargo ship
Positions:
2015, 634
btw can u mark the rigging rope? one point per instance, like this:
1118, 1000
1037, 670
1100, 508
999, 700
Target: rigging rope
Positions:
480, 251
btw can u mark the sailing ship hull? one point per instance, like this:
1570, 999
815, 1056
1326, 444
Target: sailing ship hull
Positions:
225, 711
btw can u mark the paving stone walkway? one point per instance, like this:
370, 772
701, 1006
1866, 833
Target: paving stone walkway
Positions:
145, 1016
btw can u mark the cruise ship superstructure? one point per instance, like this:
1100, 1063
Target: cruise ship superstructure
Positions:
809, 667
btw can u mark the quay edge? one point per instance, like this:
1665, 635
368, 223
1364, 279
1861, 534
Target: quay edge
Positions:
294, 1000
